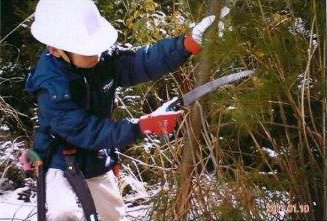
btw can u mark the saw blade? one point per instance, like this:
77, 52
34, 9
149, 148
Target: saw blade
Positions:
202, 90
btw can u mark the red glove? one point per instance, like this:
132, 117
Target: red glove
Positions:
191, 45
159, 124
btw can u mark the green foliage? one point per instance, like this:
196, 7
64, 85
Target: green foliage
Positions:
18, 55
273, 38
143, 22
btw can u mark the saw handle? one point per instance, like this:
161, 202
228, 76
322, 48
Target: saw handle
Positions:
175, 106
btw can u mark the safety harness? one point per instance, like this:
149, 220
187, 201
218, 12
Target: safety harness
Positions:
72, 174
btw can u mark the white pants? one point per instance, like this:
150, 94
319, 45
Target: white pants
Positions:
61, 199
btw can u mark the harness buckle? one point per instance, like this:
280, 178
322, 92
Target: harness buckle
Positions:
69, 151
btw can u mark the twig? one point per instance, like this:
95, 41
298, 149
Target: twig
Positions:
29, 17
145, 164
18, 204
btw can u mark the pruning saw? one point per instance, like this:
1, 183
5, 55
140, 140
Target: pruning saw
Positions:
204, 89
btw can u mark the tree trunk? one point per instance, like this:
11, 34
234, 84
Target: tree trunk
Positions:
194, 126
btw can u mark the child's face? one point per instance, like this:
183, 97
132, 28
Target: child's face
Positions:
81, 61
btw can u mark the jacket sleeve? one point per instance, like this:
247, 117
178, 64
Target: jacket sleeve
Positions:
84, 130
150, 62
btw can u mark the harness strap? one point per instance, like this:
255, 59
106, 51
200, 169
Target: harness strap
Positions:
77, 181
41, 168
41, 210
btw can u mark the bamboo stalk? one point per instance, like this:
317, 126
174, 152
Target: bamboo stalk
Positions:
194, 128
324, 109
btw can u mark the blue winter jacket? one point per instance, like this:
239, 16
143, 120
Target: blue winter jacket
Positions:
76, 104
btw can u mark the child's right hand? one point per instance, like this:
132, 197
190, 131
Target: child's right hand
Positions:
160, 122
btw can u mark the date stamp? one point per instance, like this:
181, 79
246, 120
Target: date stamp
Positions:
288, 208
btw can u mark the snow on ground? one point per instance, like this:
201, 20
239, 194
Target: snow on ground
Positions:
270, 152
137, 201
20, 204
11, 208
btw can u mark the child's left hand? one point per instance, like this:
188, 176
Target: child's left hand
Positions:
201, 27
193, 42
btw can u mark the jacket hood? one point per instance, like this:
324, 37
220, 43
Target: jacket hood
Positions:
51, 74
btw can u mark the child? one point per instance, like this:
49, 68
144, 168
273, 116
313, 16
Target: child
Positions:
74, 83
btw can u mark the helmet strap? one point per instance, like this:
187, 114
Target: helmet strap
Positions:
68, 56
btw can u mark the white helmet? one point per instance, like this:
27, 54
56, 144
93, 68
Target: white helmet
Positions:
73, 25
